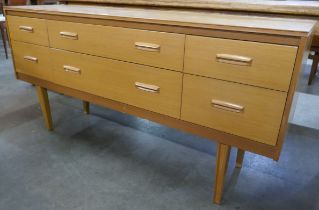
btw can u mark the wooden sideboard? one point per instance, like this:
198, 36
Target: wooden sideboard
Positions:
303, 9
229, 78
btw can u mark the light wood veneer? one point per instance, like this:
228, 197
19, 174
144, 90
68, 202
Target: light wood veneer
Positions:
229, 78
32, 60
270, 6
152, 48
247, 111
31, 30
177, 18
258, 64
142, 86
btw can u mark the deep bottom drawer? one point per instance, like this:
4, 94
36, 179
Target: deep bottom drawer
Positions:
145, 87
246, 111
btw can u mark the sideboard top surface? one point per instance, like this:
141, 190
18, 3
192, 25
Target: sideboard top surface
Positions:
178, 17
308, 8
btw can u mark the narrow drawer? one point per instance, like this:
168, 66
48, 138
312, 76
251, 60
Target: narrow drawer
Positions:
165, 50
30, 30
258, 64
32, 60
146, 87
251, 112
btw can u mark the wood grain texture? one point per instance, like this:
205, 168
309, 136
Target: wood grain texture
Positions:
302, 56
264, 70
199, 19
282, 7
222, 158
116, 80
37, 34
260, 120
45, 106
119, 43
40, 68
73, 80
193, 30
209, 133
250, 118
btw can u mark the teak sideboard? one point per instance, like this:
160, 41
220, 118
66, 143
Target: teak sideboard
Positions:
229, 78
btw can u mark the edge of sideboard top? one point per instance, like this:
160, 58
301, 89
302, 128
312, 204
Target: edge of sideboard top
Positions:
178, 17
302, 8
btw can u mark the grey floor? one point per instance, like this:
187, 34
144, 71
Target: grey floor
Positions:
108, 160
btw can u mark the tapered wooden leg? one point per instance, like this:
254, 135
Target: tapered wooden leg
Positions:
314, 67
45, 106
4, 36
240, 158
221, 168
86, 107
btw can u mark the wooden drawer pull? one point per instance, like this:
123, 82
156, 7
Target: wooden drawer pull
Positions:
30, 58
69, 35
227, 106
26, 28
71, 69
234, 59
147, 46
147, 87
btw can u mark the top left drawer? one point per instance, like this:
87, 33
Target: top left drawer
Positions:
30, 30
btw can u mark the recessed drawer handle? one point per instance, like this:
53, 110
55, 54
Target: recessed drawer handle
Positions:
69, 35
147, 87
26, 28
147, 46
71, 69
30, 58
234, 59
227, 106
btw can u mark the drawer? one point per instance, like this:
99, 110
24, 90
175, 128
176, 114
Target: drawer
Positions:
258, 64
159, 49
32, 60
146, 87
251, 112
30, 30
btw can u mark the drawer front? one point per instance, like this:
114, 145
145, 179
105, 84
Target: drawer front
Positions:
142, 86
30, 30
32, 60
258, 64
250, 112
165, 50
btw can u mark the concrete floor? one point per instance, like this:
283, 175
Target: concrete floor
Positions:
108, 160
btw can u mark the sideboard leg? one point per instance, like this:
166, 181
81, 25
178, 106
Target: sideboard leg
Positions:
221, 168
240, 158
45, 106
86, 107
314, 67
